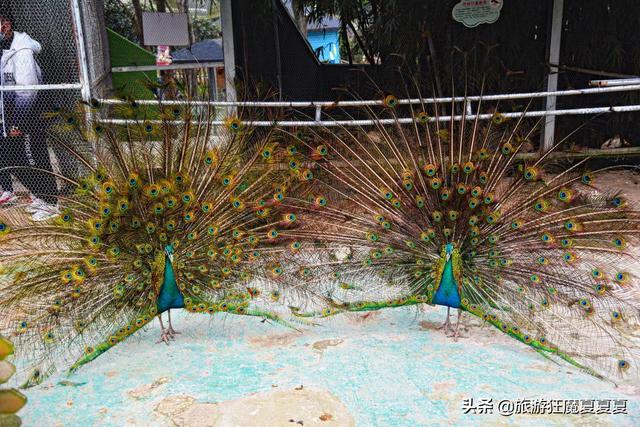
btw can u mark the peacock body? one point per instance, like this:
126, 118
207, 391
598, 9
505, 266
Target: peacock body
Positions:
455, 213
172, 213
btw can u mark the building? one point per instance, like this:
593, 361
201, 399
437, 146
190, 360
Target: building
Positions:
208, 55
324, 38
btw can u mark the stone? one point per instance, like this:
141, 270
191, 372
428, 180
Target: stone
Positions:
143, 391
308, 407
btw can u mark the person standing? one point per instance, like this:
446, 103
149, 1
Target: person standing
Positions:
23, 148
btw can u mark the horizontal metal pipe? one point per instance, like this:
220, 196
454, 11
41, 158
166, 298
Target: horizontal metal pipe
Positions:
355, 103
404, 120
61, 86
173, 66
615, 82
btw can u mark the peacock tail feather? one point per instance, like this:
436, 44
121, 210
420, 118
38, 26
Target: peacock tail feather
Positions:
172, 212
449, 213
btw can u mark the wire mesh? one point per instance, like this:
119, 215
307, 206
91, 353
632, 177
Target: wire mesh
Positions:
39, 48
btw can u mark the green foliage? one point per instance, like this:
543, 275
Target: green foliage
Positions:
120, 17
205, 28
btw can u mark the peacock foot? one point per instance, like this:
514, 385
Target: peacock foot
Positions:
165, 337
446, 326
172, 333
455, 334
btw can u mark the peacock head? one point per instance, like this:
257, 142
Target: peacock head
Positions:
168, 250
448, 249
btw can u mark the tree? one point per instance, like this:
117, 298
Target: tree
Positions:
299, 15
125, 17
137, 9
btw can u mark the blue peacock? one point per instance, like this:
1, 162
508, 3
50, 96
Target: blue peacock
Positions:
172, 213
455, 213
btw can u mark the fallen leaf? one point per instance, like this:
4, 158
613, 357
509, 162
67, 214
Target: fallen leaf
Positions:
326, 417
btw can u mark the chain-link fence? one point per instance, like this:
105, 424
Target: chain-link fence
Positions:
45, 69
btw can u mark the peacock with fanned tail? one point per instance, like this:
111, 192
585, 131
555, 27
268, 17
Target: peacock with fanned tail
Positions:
172, 213
430, 211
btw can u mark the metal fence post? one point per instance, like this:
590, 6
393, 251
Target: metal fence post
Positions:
85, 79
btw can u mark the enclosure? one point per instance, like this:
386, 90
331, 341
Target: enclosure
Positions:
305, 186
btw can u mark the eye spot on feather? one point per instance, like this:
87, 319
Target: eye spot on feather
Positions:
587, 179
422, 117
531, 173
390, 101
233, 123
541, 205
435, 183
430, 170
622, 278
619, 243
546, 237
618, 202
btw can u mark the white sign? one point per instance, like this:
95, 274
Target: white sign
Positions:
475, 12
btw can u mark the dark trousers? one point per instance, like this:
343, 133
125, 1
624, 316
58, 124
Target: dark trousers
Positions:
23, 156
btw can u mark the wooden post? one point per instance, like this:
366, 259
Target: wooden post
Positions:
548, 135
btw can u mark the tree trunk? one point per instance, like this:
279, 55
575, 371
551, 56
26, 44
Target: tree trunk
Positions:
161, 5
184, 7
345, 37
137, 8
191, 76
363, 46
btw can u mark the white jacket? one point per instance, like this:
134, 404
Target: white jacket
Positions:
19, 67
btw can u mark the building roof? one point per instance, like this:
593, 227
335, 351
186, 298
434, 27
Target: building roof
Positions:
208, 50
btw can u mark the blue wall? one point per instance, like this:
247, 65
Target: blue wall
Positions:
326, 40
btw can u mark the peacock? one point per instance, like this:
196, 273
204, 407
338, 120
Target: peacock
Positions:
171, 212
415, 208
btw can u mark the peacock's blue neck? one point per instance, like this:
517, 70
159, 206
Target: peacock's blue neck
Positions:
170, 296
447, 293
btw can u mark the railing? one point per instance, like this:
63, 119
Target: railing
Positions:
318, 106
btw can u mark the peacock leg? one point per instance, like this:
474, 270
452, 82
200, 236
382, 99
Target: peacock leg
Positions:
172, 332
456, 333
447, 323
164, 335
